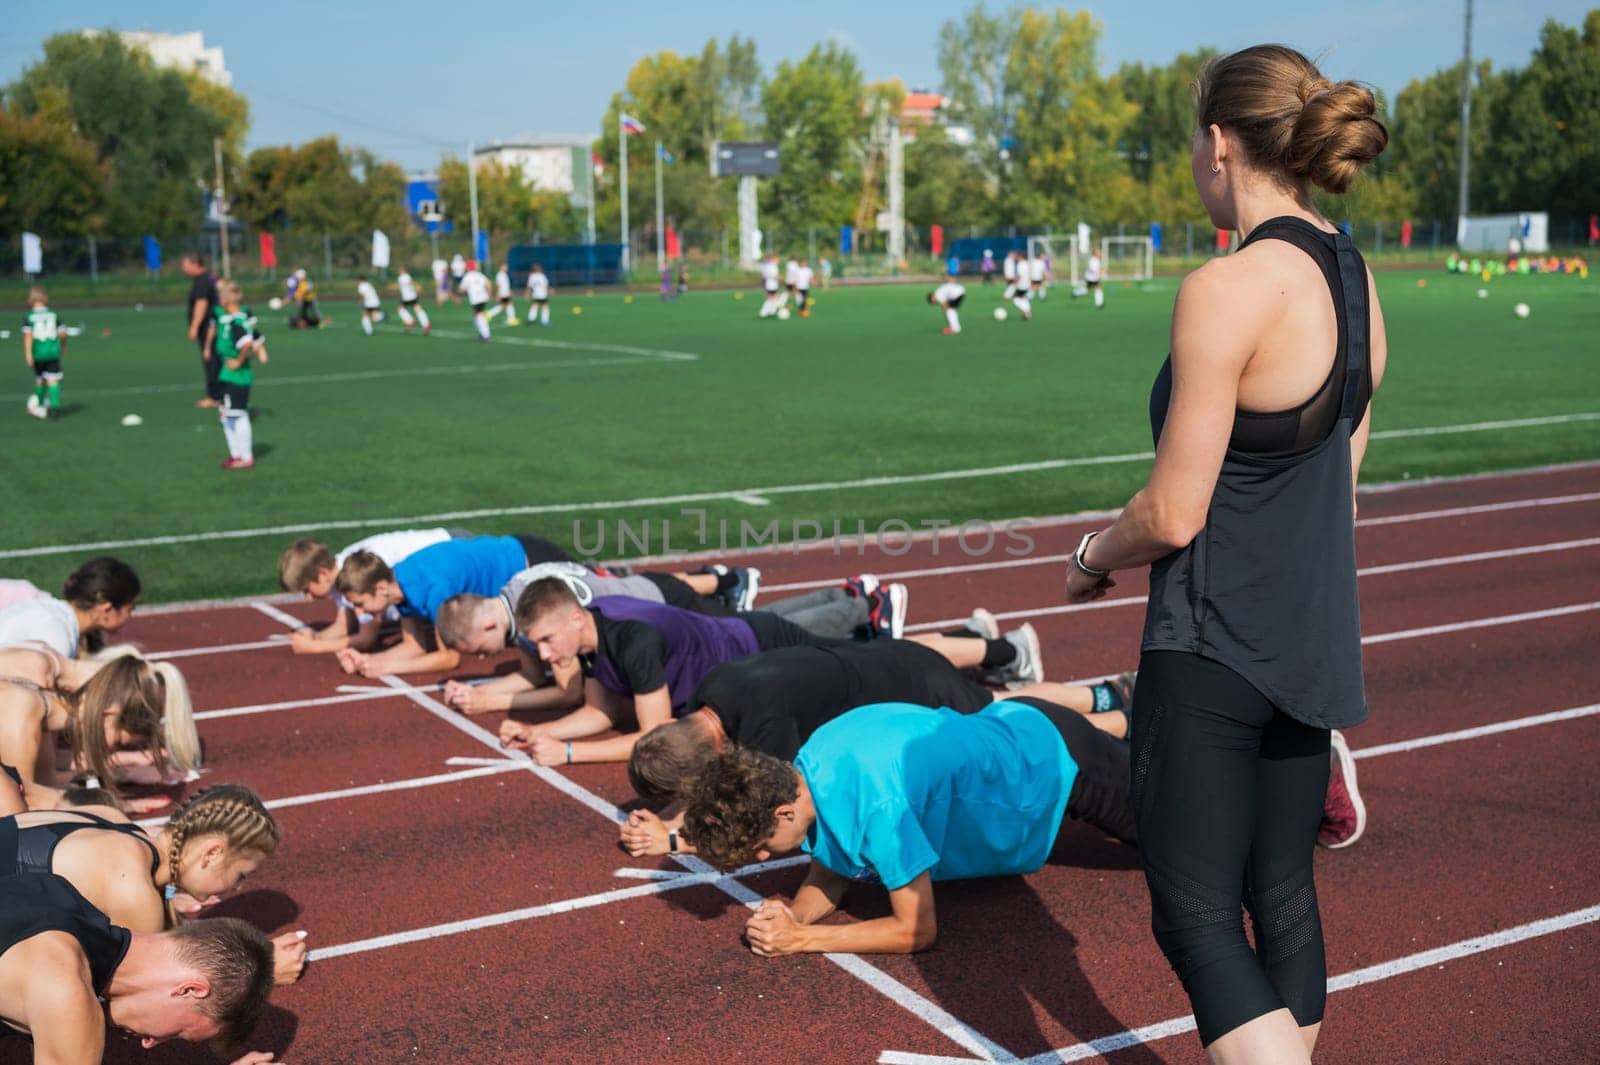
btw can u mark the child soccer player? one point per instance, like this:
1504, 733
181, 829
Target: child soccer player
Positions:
476, 288
232, 343
538, 296
411, 310
769, 287
1092, 275
502, 291
371, 305
441, 282
949, 296
43, 344
803, 276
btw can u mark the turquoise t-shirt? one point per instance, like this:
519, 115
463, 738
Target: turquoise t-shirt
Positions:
901, 790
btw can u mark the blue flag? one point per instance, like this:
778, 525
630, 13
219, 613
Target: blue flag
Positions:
666, 156
1155, 236
846, 239
152, 253
483, 249
1344, 227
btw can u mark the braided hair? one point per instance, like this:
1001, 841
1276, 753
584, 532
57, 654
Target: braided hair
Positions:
232, 811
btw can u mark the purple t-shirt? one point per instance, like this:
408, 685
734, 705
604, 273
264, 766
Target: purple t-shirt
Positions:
642, 645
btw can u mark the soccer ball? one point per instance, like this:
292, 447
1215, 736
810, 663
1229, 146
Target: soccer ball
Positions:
275, 303
1483, 293
783, 313
1522, 310
999, 314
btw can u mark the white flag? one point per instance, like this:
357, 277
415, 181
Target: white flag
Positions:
32, 254
1083, 238
380, 250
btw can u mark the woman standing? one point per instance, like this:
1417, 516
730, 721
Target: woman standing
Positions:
1252, 643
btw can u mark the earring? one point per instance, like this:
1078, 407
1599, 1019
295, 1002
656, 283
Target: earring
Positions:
1216, 168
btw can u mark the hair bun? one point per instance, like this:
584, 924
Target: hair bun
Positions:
1336, 135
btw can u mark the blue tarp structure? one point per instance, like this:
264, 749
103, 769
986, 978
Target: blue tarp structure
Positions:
969, 251
567, 264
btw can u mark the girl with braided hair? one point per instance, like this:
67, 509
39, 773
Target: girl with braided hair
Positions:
100, 709
147, 882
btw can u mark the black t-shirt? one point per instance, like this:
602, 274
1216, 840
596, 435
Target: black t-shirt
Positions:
32, 903
775, 700
635, 649
204, 290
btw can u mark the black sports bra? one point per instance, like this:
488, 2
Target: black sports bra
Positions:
32, 849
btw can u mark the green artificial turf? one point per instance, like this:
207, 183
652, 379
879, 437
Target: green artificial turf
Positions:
391, 430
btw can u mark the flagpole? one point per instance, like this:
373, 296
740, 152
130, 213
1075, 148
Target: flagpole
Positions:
661, 254
472, 197
622, 151
589, 160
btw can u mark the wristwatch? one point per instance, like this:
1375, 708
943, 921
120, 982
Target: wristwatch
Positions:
672, 840
1083, 567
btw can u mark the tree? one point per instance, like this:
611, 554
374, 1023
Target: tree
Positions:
146, 126
1164, 124
1425, 144
50, 181
814, 110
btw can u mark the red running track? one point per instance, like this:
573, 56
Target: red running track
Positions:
1476, 835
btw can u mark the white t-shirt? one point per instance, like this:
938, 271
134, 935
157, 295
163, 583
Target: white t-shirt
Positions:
1009, 270
802, 278
369, 295
1092, 271
502, 284
458, 265
476, 286
440, 269
769, 275
538, 286
1023, 281
408, 287
43, 620
1036, 269
949, 292
791, 270
394, 548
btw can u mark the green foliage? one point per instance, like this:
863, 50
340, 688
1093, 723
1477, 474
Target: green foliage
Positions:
320, 187
50, 181
814, 110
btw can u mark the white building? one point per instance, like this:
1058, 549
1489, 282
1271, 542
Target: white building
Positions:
182, 51
551, 163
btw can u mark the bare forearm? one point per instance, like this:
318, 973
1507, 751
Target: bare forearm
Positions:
403, 659
615, 749
546, 698
885, 935
1138, 537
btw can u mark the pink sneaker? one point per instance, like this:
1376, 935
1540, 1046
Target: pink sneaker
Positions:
1344, 815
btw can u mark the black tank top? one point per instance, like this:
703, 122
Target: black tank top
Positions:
1268, 587
32, 849
31, 903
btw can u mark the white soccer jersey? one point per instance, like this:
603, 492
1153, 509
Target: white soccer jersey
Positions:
1009, 270
458, 265
1036, 270
476, 286
502, 284
538, 286
440, 269
1092, 271
369, 295
791, 270
802, 278
394, 548
949, 292
408, 287
769, 275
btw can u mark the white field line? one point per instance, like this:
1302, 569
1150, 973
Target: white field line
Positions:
297, 704
710, 496
1427, 959
1043, 560
1481, 623
929, 1012
281, 616
252, 645
1479, 732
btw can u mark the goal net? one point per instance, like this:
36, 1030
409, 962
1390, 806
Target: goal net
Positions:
1128, 258
1059, 252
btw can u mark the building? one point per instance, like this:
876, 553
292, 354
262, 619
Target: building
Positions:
550, 163
181, 51
922, 108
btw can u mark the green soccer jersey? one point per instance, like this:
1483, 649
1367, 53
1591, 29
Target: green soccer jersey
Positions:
45, 329
232, 329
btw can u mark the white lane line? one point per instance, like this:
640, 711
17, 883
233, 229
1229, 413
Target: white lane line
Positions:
297, 704
483, 761
1479, 508
1481, 623
898, 993
252, 645
1010, 469
281, 616
528, 913
649, 874
1410, 963
1478, 732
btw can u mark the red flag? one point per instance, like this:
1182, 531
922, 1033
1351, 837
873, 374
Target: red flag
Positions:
1223, 237
599, 163
269, 251
1594, 228
936, 239
674, 245
1405, 233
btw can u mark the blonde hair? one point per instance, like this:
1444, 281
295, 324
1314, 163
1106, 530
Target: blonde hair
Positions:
36, 295
228, 290
232, 811
1289, 118
361, 573
153, 705
300, 563
458, 616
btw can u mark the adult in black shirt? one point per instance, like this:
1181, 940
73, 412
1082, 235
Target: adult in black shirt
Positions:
202, 302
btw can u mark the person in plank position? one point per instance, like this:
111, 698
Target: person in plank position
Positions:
903, 796
59, 957
308, 567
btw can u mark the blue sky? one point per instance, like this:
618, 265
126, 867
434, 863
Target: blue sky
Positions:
407, 78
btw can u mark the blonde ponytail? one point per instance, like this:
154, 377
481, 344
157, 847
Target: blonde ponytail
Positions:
179, 736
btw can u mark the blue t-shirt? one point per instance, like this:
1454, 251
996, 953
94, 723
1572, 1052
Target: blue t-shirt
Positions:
477, 564
901, 790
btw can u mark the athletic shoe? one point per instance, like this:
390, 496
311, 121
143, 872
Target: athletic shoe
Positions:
1123, 684
863, 586
984, 624
37, 409
1344, 815
427, 329
888, 617
746, 584
1027, 668
947, 331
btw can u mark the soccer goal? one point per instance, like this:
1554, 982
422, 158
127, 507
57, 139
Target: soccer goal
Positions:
1127, 258
1059, 252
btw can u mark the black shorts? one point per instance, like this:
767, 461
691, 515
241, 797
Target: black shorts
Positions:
773, 631
49, 369
955, 304
1092, 284
1102, 790
408, 304
376, 309
676, 592
478, 308
537, 549
234, 397
505, 301
537, 302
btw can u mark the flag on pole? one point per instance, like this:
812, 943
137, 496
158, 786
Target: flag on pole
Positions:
380, 250
1405, 233
1224, 238
599, 164
674, 244
1155, 236
666, 156
152, 253
32, 254
630, 124
1594, 228
269, 251
936, 239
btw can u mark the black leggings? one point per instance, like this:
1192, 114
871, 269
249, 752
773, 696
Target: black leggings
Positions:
1100, 790
1228, 793
676, 592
